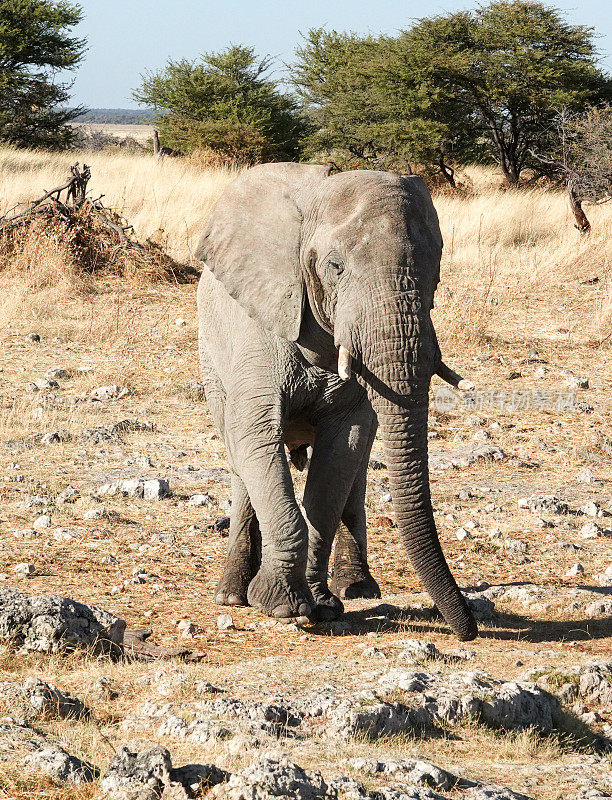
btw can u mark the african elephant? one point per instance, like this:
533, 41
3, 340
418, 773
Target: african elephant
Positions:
314, 327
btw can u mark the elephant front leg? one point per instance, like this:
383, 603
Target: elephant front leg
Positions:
279, 587
243, 551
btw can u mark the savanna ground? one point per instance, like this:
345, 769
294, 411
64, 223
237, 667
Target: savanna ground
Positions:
516, 278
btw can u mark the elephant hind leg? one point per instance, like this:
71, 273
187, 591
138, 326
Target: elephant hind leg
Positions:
351, 577
243, 552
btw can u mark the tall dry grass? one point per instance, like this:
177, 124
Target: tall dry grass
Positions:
165, 200
513, 263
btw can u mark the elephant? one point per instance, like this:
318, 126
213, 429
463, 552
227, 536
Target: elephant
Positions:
314, 330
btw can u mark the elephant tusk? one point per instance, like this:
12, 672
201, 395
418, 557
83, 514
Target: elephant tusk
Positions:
452, 377
344, 363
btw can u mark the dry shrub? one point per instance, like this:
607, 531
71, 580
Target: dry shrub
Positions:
42, 255
204, 158
82, 237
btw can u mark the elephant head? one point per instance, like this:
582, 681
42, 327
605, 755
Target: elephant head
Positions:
346, 265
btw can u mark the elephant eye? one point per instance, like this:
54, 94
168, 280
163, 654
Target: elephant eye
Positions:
335, 263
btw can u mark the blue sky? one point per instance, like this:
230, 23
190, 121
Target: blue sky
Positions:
127, 37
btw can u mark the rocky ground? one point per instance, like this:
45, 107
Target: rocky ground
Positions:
114, 491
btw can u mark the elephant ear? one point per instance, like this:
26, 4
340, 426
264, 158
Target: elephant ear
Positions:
252, 242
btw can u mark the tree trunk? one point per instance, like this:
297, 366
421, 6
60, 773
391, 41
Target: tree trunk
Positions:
447, 172
582, 223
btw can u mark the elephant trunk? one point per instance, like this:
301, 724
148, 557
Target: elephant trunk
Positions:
404, 435
398, 359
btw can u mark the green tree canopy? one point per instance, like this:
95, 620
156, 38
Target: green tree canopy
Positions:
366, 110
35, 44
512, 64
468, 85
227, 102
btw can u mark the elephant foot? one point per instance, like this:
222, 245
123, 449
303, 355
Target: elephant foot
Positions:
232, 590
327, 606
280, 597
353, 587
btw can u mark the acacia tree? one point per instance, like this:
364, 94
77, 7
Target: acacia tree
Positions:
35, 44
360, 115
481, 85
511, 65
226, 102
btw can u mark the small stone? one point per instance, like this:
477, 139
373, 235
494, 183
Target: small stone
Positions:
42, 522
577, 569
156, 489
480, 606
540, 373
54, 437
386, 498
585, 476
111, 392
180, 322
374, 652
186, 628
542, 523
24, 569
590, 530
26, 533
51, 624
64, 534
200, 500
225, 622
569, 546
599, 608
513, 375
33, 337
575, 382
221, 525
515, 546
384, 522
474, 421
42, 385
138, 771
162, 538
94, 513
462, 534
544, 502
592, 509
60, 766
56, 372
68, 495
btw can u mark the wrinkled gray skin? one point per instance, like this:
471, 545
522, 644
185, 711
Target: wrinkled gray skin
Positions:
300, 263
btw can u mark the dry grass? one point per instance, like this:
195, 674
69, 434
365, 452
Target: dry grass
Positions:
164, 200
512, 279
503, 248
